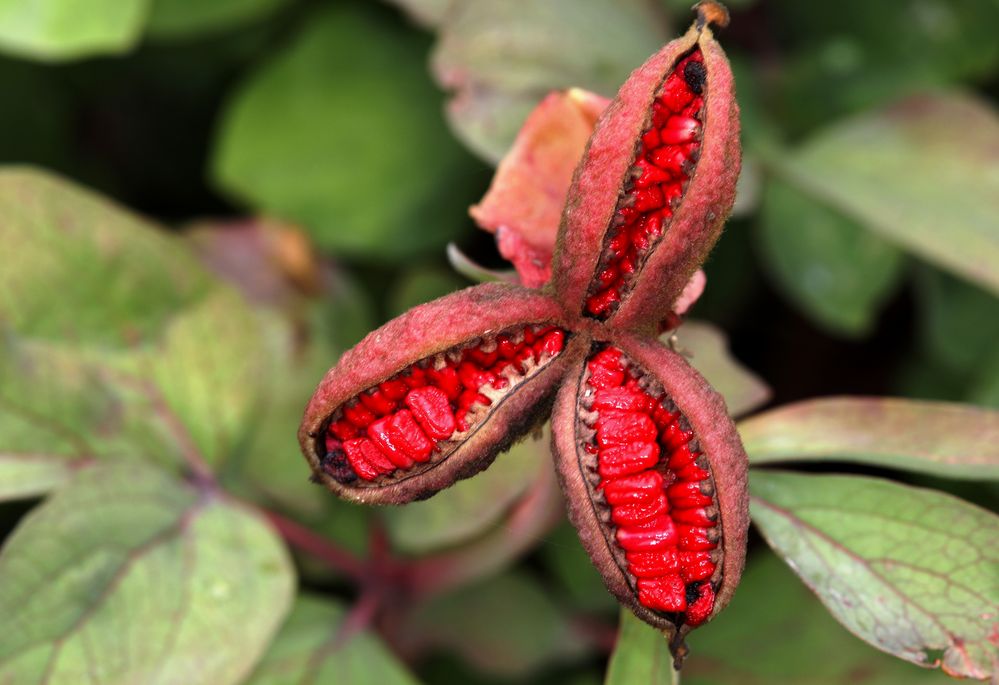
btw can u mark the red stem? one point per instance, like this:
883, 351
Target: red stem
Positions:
315, 545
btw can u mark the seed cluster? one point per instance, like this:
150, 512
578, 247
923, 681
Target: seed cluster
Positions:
656, 485
407, 419
667, 154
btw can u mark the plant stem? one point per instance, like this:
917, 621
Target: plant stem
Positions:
315, 545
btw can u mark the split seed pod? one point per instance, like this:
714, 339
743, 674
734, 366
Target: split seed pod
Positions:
650, 463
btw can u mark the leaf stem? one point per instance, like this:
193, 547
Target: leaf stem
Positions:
315, 545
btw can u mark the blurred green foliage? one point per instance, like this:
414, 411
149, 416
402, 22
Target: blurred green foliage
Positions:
337, 145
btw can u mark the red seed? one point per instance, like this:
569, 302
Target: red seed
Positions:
409, 434
358, 415
695, 565
622, 399
676, 95
674, 436
552, 343
624, 460
692, 472
651, 139
652, 564
377, 403
650, 175
472, 377
679, 129
470, 397
630, 514
682, 456
343, 429
670, 159
682, 489
639, 487
362, 467
394, 389
656, 534
389, 442
506, 347
482, 358
694, 539
624, 428
692, 517
602, 301
701, 608
447, 380
417, 377
432, 411
650, 198
667, 593
366, 459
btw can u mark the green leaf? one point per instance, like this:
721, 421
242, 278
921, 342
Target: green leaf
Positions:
68, 29
939, 438
342, 133
707, 347
126, 575
507, 625
910, 571
776, 631
641, 655
835, 271
311, 649
116, 343
578, 578
419, 285
429, 13
469, 508
501, 58
907, 171
29, 475
959, 322
183, 18
839, 58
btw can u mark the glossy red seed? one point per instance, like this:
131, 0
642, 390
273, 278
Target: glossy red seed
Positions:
472, 377
679, 129
505, 347
377, 402
693, 539
651, 139
700, 609
652, 564
389, 442
696, 516
675, 96
366, 459
431, 409
630, 514
362, 467
639, 487
602, 302
359, 415
605, 369
667, 593
481, 358
695, 565
417, 377
622, 399
656, 534
624, 428
624, 460
692, 472
394, 389
649, 198
674, 436
409, 434
552, 343
447, 380
343, 429
682, 456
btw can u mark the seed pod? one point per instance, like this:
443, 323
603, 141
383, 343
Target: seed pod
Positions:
432, 396
655, 481
654, 187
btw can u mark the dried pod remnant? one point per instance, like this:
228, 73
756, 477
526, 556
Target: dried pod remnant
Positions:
668, 151
416, 417
652, 487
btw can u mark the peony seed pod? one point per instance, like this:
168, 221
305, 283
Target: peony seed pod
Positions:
655, 185
655, 481
651, 465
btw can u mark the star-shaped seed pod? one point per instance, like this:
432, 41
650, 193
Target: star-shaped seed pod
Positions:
652, 469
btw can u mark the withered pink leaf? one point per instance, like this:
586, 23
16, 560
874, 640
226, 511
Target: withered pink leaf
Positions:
528, 192
650, 462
